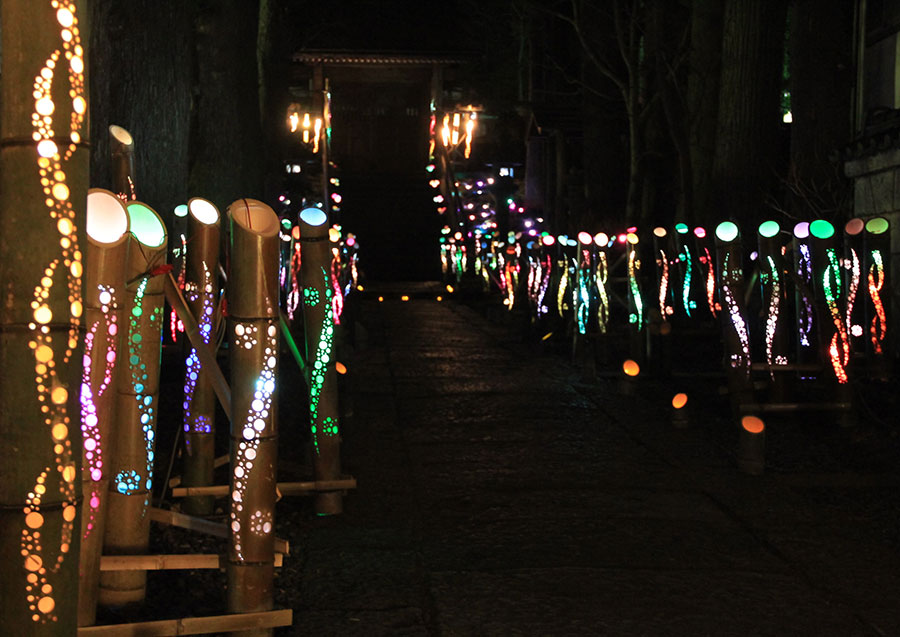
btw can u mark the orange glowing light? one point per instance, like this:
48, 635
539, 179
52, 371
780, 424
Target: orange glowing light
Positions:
440, 298
380, 299
340, 368
404, 298
679, 400
450, 288
753, 424
631, 368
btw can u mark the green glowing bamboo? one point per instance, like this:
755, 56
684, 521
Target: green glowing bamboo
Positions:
43, 192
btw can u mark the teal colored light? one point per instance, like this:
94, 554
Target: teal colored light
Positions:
821, 229
878, 225
313, 216
286, 224
181, 210
686, 288
145, 225
769, 229
727, 231
681, 228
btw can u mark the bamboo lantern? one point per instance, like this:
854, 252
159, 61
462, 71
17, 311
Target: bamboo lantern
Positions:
43, 192
878, 288
137, 379
684, 293
661, 243
805, 312
773, 287
734, 322
201, 287
855, 282
601, 240
253, 349
707, 270
318, 320
104, 284
121, 155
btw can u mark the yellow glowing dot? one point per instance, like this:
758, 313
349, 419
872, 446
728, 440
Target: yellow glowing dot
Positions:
440, 298
59, 395
43, 162
34, 520
59, 431
631, 368
57, 449
44, 106
450, 289
753, 424
334, 235
79, 104
40, 489
66, 35
68, 473
59, 175
76, 307
46, 589
77, 64
64, 547
380, 299
43, 315
64, 226
46, 605
69, 513
632, 238
65, 18
43, 353
360, 288
76, 268
404, 298
679, 401
547, 336
46, 148
32, 578
340, 368
60, 191
75, 137
33, 562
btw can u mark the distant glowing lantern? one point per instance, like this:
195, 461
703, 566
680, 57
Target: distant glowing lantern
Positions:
753, 424
679, 400
631, 368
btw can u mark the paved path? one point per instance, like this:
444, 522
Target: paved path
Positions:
499, 496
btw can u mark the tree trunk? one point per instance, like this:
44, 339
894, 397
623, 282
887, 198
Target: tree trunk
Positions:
747, 131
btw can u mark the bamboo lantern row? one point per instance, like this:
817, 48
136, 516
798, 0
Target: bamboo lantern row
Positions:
253, 332
43, 190
201, 288
136, 405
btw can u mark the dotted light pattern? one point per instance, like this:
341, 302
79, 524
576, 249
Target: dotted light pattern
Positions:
139, 375
584, 293
51, 393
198, 423
547, 271
320, 366
92, 441
293, 297
686, 301
839, 349
663, 263
563, 284
774, 280
247, 335
706, 258
878, 328
512, 282
601, 278
852, 264
634, 264
805, 311
337, 297
739, 359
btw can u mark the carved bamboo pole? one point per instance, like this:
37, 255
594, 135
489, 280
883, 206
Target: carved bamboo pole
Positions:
104, 284
43, 192
774, 297
253, 348
201, 288
121, 156
127, 525
318, 321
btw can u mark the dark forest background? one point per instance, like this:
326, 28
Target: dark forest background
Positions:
657, 111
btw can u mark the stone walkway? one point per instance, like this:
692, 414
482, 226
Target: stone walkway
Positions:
498, 495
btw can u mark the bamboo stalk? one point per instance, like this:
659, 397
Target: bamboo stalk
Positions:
194, 625
318, 321
201, 288
201, 525
127, 529
106, 255
168, 562
43, 191
121, 155
217, 462
253, 350
284, 488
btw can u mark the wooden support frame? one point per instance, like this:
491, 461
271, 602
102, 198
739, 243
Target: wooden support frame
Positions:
173, 562
284, 488
194, 625
184, 521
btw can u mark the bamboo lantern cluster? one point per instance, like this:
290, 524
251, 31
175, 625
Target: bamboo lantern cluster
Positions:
128, 525
104, 283
318, 321
253, 333
201, 287
43, 191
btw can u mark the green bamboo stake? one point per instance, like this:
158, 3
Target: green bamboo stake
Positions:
43, 192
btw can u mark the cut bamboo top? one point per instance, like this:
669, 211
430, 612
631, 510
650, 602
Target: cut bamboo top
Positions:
146, 226
203, 211
254, 216
107, 218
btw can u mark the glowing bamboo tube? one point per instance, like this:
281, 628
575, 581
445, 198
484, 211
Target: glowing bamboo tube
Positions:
253, 349
827, 273
201, 287
43, 190
854, 280
319, 324
734, 322
879, 298
104, 285
121, 156
773, 288
803, 295
137, 378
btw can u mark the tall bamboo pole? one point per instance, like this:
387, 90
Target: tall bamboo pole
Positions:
318, 321
736, 331
201, 287
43, 190
774, 297
128, 525
104, 283
253, 348
121, 154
